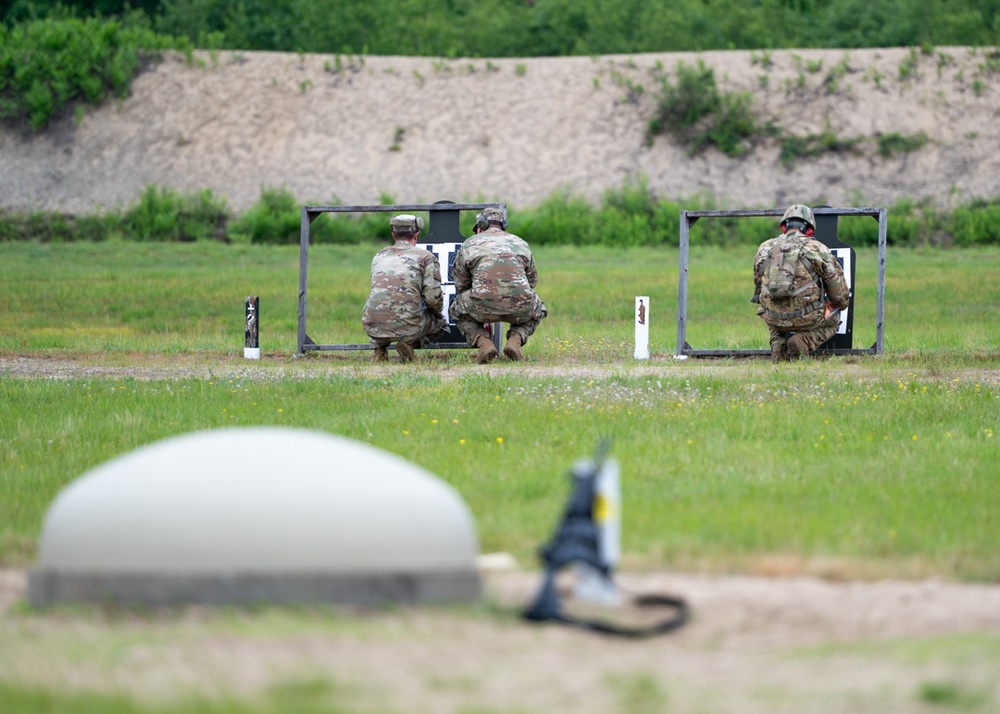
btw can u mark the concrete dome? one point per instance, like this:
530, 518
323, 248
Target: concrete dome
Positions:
257, 514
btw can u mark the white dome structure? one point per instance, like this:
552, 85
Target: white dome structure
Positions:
264, 514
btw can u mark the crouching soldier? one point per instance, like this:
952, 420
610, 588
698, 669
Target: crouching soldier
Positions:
800, 287
405, 302
495, 280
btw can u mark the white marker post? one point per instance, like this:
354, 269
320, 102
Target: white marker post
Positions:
642, 327
251, 349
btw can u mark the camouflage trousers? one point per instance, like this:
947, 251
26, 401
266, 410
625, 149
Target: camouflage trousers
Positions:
813, 336
471, 316
432, 324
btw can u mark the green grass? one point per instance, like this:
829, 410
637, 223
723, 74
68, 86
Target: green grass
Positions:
319, 696
848, 466
720, 470
109, 299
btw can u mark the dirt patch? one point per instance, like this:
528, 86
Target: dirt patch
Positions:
284, 366
754, 644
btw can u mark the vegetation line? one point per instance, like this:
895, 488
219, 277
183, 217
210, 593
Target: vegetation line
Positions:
630, 215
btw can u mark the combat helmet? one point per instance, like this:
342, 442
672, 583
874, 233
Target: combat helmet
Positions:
801, 215
406, 223
491, 215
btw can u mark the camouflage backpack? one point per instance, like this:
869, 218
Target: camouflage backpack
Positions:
784, 262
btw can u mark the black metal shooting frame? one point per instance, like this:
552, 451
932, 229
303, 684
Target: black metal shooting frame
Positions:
688, 218
443, 218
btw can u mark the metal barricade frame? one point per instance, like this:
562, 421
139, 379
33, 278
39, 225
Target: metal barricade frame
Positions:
443, 215
688, 218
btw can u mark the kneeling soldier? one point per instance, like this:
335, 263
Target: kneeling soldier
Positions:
800, 287
405, 302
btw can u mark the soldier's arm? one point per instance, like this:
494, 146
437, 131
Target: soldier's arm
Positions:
758, 266
530, 272
833, 280
460, 272
431, 288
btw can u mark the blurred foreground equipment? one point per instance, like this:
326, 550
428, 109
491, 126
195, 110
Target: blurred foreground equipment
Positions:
257, 515
588, 539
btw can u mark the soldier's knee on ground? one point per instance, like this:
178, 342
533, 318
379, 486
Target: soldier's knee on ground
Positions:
779, 349
797, 347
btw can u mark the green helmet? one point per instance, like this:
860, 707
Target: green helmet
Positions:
406, 223
491, 215
803, 213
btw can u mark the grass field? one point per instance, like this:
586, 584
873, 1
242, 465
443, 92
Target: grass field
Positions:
852, 466
847, 467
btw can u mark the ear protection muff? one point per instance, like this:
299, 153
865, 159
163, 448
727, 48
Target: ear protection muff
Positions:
483, 223
798, 224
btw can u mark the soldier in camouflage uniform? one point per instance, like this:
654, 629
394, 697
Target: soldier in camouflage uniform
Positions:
495, 277
800, 287
405, 302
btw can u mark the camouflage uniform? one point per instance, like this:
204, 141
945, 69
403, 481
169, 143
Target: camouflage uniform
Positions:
405, 301
495, 276
803, 314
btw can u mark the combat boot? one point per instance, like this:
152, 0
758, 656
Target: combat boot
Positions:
513, 348
405, 351
797, 347
487, 350
380, 355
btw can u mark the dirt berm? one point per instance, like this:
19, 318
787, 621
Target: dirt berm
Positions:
354, 129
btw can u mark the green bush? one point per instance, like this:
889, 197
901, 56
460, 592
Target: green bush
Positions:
896, 143
976, 223
351, 229
561, 218
795, 147
164, 215
47, 64
686, 102
47, 227
522, 28
503, 28
630, 215
275, 218
697, 115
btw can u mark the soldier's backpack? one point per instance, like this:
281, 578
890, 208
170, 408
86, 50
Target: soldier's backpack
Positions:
781, 267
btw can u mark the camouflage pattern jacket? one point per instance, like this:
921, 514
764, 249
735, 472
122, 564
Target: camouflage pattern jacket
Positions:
406, 280
499, 271
818, 275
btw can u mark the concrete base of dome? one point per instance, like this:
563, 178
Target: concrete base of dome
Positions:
48, 586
